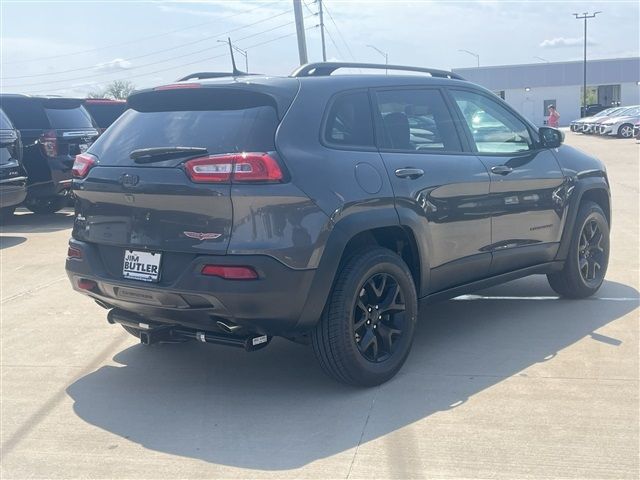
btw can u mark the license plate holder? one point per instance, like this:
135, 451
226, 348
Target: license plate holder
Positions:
141, 265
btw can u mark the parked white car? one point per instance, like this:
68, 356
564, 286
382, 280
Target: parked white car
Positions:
620, 125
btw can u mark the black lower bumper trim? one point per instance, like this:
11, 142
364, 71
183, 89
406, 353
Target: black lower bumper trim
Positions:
151, 333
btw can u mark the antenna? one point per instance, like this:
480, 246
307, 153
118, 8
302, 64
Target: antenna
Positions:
236, 72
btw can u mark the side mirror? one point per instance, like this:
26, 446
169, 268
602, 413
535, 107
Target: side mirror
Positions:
550, 137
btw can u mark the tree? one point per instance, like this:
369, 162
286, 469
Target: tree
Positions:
116, 90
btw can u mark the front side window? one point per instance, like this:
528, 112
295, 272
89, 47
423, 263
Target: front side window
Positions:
416, 121
349, 121
494, 129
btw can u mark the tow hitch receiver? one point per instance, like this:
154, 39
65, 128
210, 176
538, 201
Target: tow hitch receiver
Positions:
151, 333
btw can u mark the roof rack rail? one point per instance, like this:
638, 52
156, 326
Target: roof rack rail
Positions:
322, 69
205, 75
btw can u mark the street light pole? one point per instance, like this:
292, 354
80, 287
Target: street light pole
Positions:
473, 54
384, 54
242, 52
585, 16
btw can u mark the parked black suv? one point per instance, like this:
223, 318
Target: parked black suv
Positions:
53, 130
13, 179
104, 111
324, 208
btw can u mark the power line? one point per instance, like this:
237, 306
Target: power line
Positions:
141, 39
339, 32
170, 68
51, 82
334, 43
175, 47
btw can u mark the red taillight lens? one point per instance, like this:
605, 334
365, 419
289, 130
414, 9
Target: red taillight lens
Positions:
230, 273
84, 284
73, 252
234, 168
49, 143
82, 165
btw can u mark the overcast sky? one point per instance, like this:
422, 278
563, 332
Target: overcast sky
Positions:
71, 48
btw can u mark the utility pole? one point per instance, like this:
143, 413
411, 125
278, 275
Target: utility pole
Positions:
302, 41
324, 49
585, 16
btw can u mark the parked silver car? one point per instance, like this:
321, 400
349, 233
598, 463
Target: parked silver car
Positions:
578, 124
588, 125
620, 125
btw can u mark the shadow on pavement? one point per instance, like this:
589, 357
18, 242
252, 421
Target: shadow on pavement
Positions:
7, 241
26, 222
274, 409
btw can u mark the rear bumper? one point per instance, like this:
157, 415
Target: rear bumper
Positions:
272, 304
12, 192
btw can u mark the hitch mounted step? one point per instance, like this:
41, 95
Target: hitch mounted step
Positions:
151, 333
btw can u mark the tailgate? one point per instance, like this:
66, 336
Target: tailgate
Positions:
152, 209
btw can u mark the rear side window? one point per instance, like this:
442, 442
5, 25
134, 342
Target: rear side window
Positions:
416, 121
65, 118
349, 121
219, 131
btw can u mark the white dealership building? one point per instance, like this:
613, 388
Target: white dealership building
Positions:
531, 88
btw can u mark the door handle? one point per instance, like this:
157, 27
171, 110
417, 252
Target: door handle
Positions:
501, 170
409, 172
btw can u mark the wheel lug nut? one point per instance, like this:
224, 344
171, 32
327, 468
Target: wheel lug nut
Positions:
368, 322
369, 308
377, 307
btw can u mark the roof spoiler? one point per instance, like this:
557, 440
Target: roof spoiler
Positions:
323, 69
205, 75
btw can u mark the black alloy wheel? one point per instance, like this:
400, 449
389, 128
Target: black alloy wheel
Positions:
378, 317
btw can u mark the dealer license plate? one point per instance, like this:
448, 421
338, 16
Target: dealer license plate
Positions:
140, 265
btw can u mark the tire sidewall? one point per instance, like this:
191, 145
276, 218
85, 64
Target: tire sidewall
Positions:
365, 371
589, 212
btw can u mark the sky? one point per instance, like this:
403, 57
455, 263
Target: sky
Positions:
73, 48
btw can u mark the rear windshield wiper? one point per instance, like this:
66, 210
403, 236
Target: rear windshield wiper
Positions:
158, 154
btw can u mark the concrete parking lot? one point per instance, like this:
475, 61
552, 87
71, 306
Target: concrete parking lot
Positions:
511, 383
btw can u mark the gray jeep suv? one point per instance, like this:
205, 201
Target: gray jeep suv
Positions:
324, 208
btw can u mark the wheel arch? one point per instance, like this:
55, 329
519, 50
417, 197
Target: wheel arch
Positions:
352, 233
595, 189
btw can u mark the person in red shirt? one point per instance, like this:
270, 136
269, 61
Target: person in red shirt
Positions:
554, 117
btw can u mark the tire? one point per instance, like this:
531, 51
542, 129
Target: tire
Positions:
625, 131
45, 205
6, 213
350, 319
588, 257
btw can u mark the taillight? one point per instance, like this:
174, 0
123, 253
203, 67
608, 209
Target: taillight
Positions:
49, 143
73, 252
234, 168
85, 284
82, 165
230, 273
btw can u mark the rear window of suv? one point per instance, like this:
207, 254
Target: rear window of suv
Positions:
219, 131
65, 118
